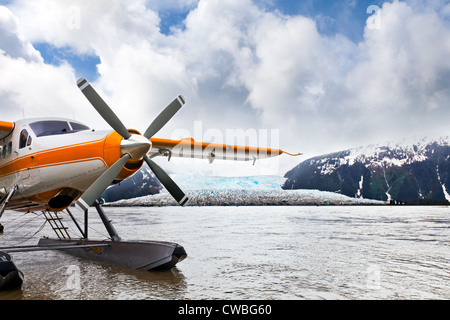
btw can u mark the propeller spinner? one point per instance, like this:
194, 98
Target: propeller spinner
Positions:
133, 147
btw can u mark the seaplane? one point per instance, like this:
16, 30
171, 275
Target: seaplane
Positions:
51, 165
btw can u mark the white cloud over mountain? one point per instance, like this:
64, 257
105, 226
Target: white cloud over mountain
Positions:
238, 66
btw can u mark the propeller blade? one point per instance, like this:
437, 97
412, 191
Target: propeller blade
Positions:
102, 108
167, 182
164, 117
100, 185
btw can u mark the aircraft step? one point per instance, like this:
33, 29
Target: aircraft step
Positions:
56, 223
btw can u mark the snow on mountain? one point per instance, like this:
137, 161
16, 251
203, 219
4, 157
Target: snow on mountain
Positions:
410, 170
390, 153
256, 190
394, 153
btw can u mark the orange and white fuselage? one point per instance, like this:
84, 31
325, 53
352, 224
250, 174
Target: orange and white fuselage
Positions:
53, 161
52, 169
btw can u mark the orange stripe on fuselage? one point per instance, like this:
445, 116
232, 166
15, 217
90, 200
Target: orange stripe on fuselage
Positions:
106, 149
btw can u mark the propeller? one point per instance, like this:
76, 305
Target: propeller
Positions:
167, 182
133, 147
102, 108
164, 117
100, 185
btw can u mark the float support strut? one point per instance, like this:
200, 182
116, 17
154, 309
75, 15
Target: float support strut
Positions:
109, 227
5, 203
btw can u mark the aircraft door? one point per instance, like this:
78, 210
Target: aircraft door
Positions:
25, 141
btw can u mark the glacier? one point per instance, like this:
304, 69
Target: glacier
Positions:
241, 191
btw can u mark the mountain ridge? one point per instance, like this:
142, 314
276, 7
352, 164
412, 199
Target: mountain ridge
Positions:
412, 170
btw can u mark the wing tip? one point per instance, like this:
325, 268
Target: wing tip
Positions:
292, 154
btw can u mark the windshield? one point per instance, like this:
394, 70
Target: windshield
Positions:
54, 127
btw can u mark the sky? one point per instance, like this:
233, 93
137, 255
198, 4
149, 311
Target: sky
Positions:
303, 76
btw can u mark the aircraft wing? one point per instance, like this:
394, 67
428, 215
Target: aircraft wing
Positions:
6, 128
188, 148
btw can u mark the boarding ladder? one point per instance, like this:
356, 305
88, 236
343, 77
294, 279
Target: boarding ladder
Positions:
57, 225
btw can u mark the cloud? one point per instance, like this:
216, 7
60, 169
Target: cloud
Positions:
400, 83
329, 93
100, 26
11, 41
174, 5
28, 86
239, 66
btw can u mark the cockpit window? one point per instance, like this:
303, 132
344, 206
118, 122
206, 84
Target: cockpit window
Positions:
78, 126
46, 128
54, 127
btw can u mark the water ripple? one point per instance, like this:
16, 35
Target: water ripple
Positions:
256, 253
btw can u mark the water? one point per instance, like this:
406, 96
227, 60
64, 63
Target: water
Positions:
325, 252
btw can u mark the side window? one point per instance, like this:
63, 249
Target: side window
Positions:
9, 148
23, 139
4, 152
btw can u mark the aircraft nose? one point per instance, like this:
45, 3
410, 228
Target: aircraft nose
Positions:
136, 146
